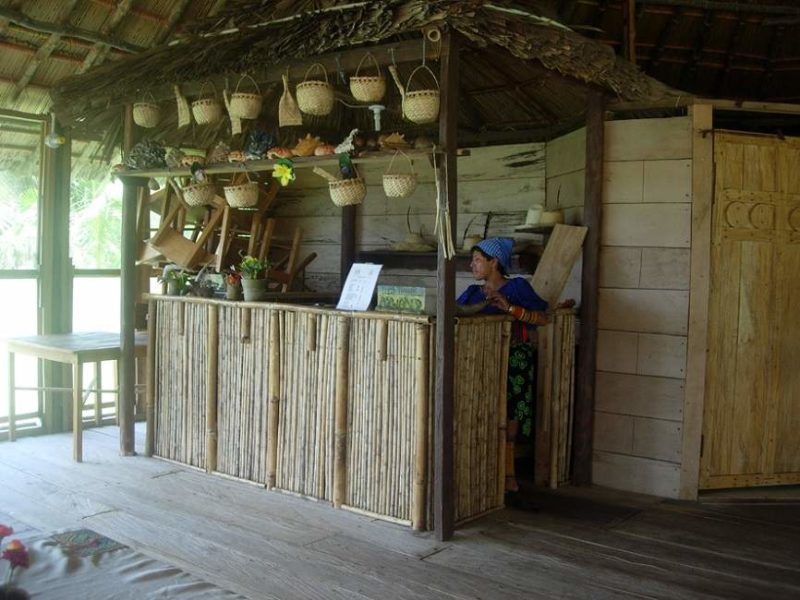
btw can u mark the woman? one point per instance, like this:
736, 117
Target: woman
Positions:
491, 259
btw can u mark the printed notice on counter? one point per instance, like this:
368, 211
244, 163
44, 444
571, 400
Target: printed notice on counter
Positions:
359, 287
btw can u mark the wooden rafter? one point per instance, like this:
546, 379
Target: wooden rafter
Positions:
772, 54
689, 70
174, 18
26, 22
738, 7
42, 54
665, 33
99, 51
723, 75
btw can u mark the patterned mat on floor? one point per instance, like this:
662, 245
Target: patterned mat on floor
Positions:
85, 542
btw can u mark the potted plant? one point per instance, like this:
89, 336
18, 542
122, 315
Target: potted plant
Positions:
176, 280
233, 284
254, 277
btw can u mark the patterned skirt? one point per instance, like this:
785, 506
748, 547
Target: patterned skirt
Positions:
521, 389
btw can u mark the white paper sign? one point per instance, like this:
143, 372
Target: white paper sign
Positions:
359, 286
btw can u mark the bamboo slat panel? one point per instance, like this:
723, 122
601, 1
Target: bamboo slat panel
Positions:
381, 417
480, 376
307, 393
180, 381
242, 392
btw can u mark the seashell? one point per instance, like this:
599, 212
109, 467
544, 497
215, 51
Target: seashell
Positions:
190, 159
324, 150
393, 141
423, 143
279, 152
236, 156
306, 146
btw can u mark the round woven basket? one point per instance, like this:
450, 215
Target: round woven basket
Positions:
243, 195
315, 97
345, 192
399, 185
421, 106
146, 114
245, 105
368, 88
199, 194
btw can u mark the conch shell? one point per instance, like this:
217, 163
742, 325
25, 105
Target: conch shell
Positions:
393, 141
306, 146
236, 156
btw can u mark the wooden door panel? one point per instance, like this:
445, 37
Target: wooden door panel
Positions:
752, 406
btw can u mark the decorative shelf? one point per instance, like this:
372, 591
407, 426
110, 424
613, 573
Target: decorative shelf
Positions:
255, 166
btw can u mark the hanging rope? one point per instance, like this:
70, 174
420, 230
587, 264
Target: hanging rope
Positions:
443, 227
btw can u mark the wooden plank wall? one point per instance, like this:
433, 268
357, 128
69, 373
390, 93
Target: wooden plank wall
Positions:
644, 305
505, 180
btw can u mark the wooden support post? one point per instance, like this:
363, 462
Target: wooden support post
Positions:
12, 401
592, 207
77, 412
700, 283
443, 481
422, 357
348, 242
340, 411
127, 383
212, 351
150, 390
383, 339
629, 29
274, 398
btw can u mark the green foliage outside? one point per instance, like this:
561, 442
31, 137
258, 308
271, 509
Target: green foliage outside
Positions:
95, 222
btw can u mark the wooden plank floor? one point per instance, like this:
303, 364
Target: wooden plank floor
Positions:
581, 543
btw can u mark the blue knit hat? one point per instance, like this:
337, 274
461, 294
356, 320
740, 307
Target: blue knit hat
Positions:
499, 248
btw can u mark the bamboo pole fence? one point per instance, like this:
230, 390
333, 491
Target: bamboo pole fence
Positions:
326, 404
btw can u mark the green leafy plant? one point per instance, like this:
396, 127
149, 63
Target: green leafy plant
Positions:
181, 278
251, 267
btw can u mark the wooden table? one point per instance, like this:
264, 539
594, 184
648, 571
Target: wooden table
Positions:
74, 349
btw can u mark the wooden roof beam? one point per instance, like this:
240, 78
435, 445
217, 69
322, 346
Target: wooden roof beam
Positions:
743, 7
99, 51
175, 16
723, 75
689, 71
135, 11
772, 54
26, 22
42, 54
663, 36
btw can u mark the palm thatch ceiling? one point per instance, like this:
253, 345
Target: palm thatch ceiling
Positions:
723, 48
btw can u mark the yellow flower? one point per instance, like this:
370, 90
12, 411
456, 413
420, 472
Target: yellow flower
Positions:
284, 173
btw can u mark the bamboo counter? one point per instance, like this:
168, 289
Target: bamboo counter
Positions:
328, 404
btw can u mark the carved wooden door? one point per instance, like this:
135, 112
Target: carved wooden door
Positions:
751, 419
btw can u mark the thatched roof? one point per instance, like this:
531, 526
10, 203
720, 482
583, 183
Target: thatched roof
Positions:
520, 70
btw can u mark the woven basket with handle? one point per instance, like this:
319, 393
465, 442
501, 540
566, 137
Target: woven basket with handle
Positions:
421, 106
199, 194
245, 105
314, 96
345, 192
243, 195
368, 88
399, 185
207, 110
146, 113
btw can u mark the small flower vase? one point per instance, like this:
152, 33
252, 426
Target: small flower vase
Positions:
9, 591
233, 291
173, 289
254, 289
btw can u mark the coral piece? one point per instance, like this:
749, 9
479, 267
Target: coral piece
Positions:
258, 142
147, 154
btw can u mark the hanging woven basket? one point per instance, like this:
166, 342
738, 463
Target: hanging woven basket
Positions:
199, 194
146, 114
245, 105
314, 96
346, 192
243, 195
368, 88
399, 185
421, 106
207, 110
